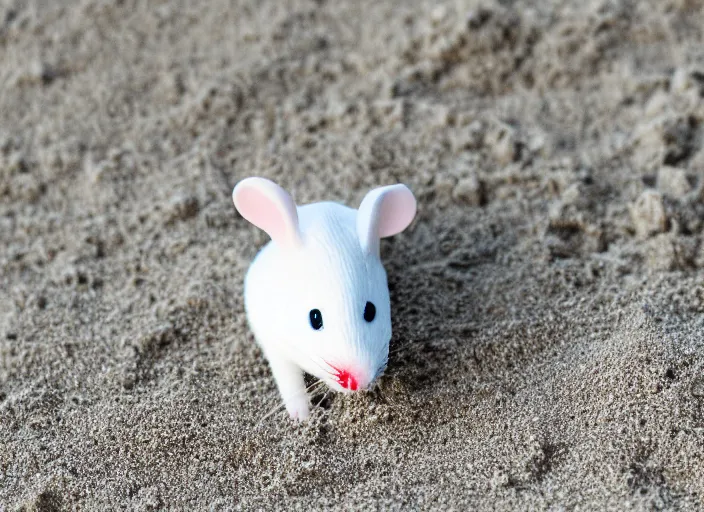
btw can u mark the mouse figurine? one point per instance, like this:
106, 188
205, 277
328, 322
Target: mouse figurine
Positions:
316, 295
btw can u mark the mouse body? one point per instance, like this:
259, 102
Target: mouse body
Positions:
316, 295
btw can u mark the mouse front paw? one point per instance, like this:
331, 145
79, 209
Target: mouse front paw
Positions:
298, 408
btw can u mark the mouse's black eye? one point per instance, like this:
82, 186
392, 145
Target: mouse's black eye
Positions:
369, 312
316, 319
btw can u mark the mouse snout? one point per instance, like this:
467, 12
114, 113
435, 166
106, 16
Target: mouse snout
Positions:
351, 376
347, 380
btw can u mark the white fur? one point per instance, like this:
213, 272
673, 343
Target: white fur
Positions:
326, 259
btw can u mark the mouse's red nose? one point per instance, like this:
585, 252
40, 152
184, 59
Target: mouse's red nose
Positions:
347, 380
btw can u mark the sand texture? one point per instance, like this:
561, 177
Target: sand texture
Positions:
548, 300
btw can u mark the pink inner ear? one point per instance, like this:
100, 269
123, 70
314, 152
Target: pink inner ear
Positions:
269, 207
397, 211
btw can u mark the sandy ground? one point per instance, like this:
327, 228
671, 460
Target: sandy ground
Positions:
548, 300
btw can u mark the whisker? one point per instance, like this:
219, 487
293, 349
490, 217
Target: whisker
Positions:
323, 369
313, 387
267, 415
397, 350
315, 384
283, 404
322, 399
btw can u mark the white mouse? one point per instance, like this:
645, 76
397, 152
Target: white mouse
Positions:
316, 295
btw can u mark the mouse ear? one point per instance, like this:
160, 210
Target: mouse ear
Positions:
385, 211
269, 207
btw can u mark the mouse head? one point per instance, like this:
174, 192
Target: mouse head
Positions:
326, 296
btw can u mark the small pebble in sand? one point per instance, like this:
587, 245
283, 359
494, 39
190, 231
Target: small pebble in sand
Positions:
183, 207
504, 144
673, 182
648, 214
468, 191
685, 80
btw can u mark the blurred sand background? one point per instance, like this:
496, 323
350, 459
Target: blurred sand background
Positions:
548, 301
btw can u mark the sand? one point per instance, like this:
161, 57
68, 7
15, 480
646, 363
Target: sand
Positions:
548, 300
